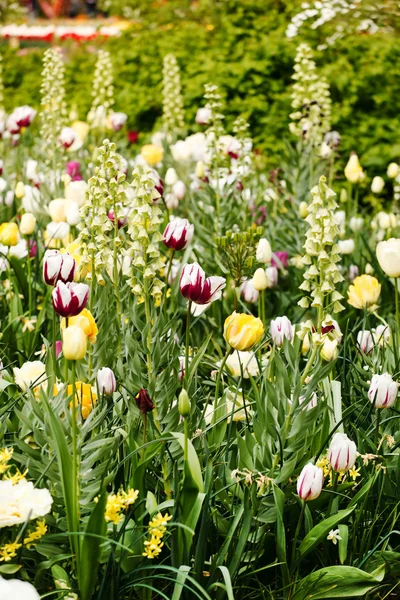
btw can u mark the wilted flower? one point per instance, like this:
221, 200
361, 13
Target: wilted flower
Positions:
106, 381
364, 293
194, 285
58, 267
388, 255
242, 331
310, 482
353, 170
178, 234
377, 185
280, 329
70, 299
342, 453
144, 402
74, 343
383, 391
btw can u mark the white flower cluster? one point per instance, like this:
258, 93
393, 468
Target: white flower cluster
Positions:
321, 12
310, 99
21, 502
102, 91
54, 109
173, 112
322, 253
215, 128
242, 153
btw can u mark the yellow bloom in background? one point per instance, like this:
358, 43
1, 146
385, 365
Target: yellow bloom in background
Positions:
152, 154
81, 128
242, 331
364, 293
74, 249
19, 190
36, 534
85, 396
5, 457
157, 530
9, 551
84, 321
353, 171
9, 234
117, 503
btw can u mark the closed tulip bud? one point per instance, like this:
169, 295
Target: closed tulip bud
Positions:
303, 209
70, 299
57, 210
74, 343
179, 189
356, 223
383, 391
272, 276
86, 322
200, 169
342, 453
364, 293
194, 285
58, 267
353, 170
249, 292
310, 482
106, 381
264, 251
377, 185
243, 331
28, 224
369, 269
365, 341
260, 281
381, 335
280, 329
178, 234
329, 350
144, 402
170, 176
9, 234
184, 407
388, 255
346, 246
19, 190
393, 170
72, 213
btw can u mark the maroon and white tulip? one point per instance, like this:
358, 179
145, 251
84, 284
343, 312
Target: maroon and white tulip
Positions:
342, 453
178, 234
106, 381
58, 267
118, 120
310, 482
196, 287
20, 117
280, 329
383, 391
67, 137
70, 299
203, 115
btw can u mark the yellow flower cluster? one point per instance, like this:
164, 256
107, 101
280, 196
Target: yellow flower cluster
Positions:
323, 464
5, 457
84, 396
9, 551
17, 476
36, 534
116, 503
157, 529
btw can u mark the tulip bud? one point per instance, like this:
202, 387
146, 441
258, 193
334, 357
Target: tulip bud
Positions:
310, 482
356, 223
171, 177
353, 272
272, 276
260, 281
393, 170
343, 196
58, 267
203, 115
280, 329
242, 331
19, 190
178, 234
346, 246
106, 381
72, 213
264, 251
342, 453
383, 391
9, 234
179, 189
303, 209
369, 269
365, 341
67, 137
388, 255
329, 350
248, 291
28, 224
184, 407
381, 334
70, 299
144, 402
377, 185
353, 170
199, 170
74, 343
57, 210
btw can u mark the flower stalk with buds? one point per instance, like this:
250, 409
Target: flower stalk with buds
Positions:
173, 112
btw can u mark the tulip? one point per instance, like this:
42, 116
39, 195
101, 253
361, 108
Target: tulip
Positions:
377, 185
170, 176
70, 299
353, 272
353, 170
19, 190
178, 234
243, 331
381, 334
179, 189
263, 252
249, 292
303, 209
280, 260
27, 224
364, 293
329, 350
106, 381
85, 396
144, 401
203, 115
23, 115
342, 453
73, 170
58, 267
393, 170
272, 276
386, 220
388, 255
356, 223
74, 342
72, 213
365, 341
152, 154
280, 329
259, 281
310, 482
86, 322
194, 285
383, 391
331, 326
76, 191
9, 234
67, 137
118, 120
346, 246
57, 231
57, 210
184, 407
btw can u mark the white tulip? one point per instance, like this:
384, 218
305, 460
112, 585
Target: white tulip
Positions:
346, 246
264, 251
377, 185
388, 255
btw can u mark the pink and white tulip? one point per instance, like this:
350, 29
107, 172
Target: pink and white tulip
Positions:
58, 267
310, 482
342, 453
280, 329
383, 391
106, 381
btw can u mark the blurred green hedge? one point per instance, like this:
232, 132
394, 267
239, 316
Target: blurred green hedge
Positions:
241, 46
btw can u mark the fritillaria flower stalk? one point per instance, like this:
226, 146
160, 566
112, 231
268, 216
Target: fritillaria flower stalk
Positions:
173, 112
102, 91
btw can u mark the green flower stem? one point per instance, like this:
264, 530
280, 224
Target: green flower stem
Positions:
75, 469
218, 381
297, 532
187, 343
29, 266
185, 445
149, 361
377, 424
396, 300
116, 279
54, 342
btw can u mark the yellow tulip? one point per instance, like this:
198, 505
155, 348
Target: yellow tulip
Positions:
329, 350
242, 331
364, 293
84, 396
9, 234
28, 224
84, 321
74, 343
152, 154
19, 190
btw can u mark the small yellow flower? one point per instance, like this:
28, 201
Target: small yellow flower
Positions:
9, 551
5, 457
242, 331
152, 154
157, 530
9, 234
117, 503
364, 293
85, 396
354, 473
36, 534
74, 249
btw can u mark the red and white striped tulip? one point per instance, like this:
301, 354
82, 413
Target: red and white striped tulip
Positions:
178, 234
310, 482
383, 391
70, 299
342, 453
196, 287
58, 267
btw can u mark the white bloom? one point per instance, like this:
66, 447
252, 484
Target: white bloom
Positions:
280, 329
381, 334
388, 255
242, 361
393, 170
264, 251
248, 291
377, 185
203, 115
179, 189
342, 453
20, 250
365, 341
383, 391
57, 231
31, 199
171, 176
76, 191
346, 246
21, 502
356, 223
334, 536
14, 589
31, 373
72, 213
